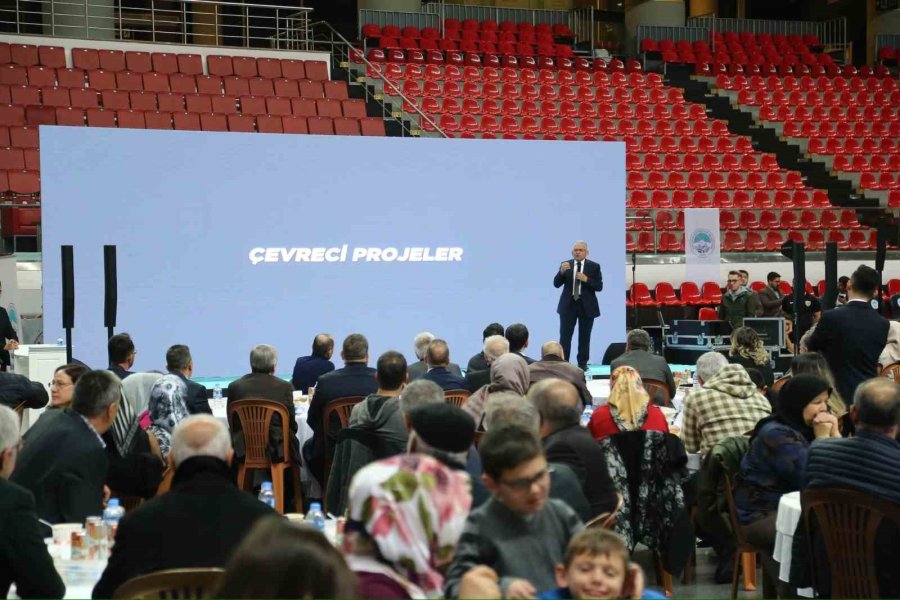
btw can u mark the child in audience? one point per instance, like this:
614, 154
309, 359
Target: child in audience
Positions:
597, 565
520, 533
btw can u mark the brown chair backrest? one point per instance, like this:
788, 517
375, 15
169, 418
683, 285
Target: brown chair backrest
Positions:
181, 584
891, 371
255, 416
166, 482
341, 407
20, 410
657, 390
736, 526
848, 521
779, 383
607, 520
457, 397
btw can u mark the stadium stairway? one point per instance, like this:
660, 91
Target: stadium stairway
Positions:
815, 174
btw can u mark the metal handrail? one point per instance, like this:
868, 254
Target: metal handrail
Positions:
258, 25
349, 47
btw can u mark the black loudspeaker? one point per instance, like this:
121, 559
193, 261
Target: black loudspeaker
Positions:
796, 251
831, 276
110, 287
68, 288
884, 232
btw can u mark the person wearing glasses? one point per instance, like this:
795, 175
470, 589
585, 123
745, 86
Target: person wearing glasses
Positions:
738, 301
63, 384
521, 533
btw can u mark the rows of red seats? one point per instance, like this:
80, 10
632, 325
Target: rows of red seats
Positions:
888, 55
786, 70
700, 198
492, 59
709, 294
639, 85
751, 219
753, 240
742, 49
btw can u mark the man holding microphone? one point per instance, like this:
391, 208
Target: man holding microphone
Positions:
580, 279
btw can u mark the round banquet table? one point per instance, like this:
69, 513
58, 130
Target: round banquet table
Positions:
789, 513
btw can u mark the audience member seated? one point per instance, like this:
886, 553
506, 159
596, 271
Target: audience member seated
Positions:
17, 389
120, 348
437, 357
262, 384
355, 379
813, 363
417, 370
517, 334
507, 408
738, 302
446, 432
747, 350
63, 384
566, 442
759, 381
520, 533
648, 365
198, 523
479, 362
278, 559
135, 459
65, 446
628, 407
181, 365
418, 393
776, 462
494, 347
399, 540
509, 373
597, 565
376, 429
891, 352
852, 337
136, 390
869, 462
553, 364
167, 409
728, 404
308, 369
24, 559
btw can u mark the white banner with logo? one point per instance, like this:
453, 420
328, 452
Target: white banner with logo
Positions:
701, 244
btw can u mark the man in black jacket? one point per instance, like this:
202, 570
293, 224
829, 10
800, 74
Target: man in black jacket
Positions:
852, 337
16, 389
63, 461
121, 354
566, 442
580, 280
198, 523
180, 363
355, 379
24, 559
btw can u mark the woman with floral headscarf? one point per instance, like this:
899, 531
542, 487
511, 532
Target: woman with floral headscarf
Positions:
628, 407
406, 514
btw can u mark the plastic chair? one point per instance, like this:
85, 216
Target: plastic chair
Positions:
745, 552
708, 314
606, 520
185, 584
255, 417
848, 521
456, 397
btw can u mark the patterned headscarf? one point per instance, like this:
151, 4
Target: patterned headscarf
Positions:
627, 398
167, 409
414, 509
509, 373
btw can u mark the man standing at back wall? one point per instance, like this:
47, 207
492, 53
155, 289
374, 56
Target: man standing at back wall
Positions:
580, 280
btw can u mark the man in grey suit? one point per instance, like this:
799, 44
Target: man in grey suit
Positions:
418, 369
648, 365
770, 297
553, 365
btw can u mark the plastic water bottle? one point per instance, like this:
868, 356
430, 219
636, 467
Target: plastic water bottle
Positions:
112, 514
586, 415
60, 342
588, 376
266, 495
217, 392
316, 517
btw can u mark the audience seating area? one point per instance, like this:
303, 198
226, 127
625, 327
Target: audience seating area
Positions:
112, 88
707, 295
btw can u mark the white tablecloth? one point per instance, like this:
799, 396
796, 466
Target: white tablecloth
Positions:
789, 513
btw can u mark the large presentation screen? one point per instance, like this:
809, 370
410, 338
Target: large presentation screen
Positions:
228, 240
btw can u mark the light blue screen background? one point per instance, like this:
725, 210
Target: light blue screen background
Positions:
186, 208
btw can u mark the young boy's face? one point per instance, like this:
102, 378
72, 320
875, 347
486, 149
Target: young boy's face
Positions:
597, 576
522, 490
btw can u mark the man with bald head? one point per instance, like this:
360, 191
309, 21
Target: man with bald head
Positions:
553, 364
198, 523
580, 280
308, 369
418, 369
438, 359
868, 462
566, 442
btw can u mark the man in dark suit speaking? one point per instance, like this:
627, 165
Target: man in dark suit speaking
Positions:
580, 279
